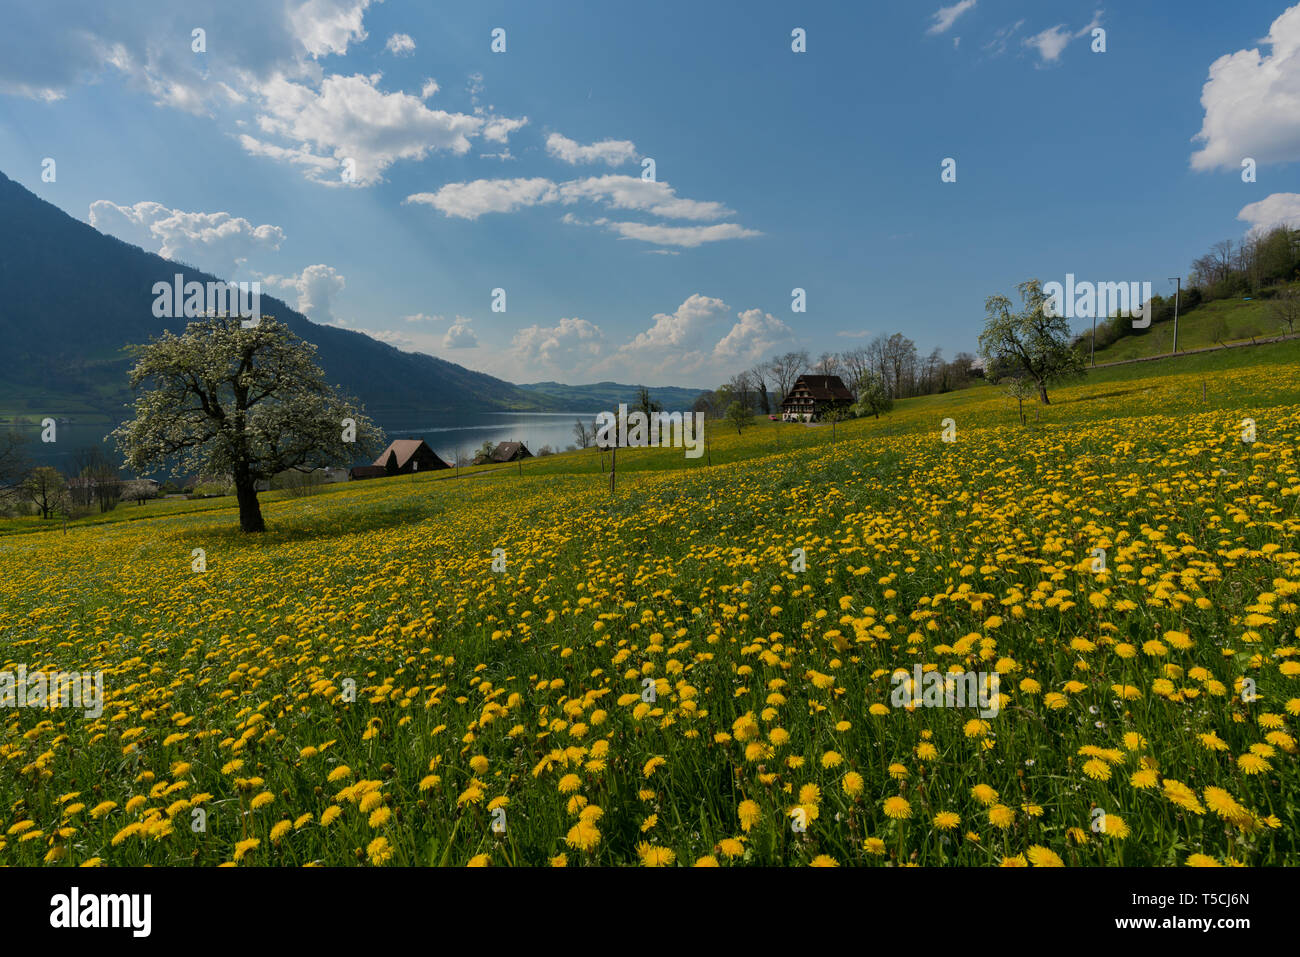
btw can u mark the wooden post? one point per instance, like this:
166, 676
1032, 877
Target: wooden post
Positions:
613, 468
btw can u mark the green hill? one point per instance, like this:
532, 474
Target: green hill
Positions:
1207, 325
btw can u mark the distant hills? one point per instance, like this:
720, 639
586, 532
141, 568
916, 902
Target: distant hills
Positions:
71, 299
600, 396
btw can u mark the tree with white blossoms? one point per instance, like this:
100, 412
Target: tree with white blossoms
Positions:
1032, 342
248, 402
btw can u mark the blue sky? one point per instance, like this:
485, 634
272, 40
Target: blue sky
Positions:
522, 170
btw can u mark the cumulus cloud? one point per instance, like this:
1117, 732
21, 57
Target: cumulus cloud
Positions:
349, 117
569, 345
326, 27
1252, 102
618, 191
317, 286
216, 242
755, 333
699, 339
609, 152
1279, 209
148, 42
460, 335
471, 200
945, 17
400, 44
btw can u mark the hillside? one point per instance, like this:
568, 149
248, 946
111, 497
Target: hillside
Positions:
71, 298
1207, 325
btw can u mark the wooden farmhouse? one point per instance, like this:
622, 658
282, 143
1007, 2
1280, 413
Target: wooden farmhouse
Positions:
505, 452
405, 456
812, 395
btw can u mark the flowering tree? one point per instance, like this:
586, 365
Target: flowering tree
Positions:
248, 402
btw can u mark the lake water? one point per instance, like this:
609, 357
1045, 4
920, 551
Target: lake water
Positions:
445, 436
466, 434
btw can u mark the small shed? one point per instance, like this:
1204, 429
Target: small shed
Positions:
404, 456
358, 472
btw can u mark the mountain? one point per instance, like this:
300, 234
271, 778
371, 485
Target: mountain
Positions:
608, 395
72, 297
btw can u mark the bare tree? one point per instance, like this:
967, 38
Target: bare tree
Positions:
759, 374
785, 371
828, 364
1285, 307
856, 366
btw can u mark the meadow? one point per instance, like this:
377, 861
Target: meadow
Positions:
697, 669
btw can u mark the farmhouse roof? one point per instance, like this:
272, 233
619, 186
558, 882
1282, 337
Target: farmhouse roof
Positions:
825, 388
403, 449
507, 451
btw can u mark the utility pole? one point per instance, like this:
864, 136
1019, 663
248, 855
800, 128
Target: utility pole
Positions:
1178, 293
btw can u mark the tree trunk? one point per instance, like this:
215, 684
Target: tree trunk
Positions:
250, 512
1042, 394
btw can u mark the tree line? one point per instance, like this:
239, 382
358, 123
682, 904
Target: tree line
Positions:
889, 365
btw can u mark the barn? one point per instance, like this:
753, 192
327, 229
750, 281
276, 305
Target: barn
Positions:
405, 456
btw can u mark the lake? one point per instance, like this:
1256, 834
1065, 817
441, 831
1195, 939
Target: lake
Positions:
445, 434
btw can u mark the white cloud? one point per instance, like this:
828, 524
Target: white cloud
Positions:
609, 152
460, 335
691, 341
998, 45
755, 333
685, 236
430, 87
148, 42
350, 118
327, 26
1252, 102
678, 331
421, 317
1279, 209
618, 191
216, 242
497, 129
568, 346
400, 44
317, 286
471, 200
945, 17
1049, 43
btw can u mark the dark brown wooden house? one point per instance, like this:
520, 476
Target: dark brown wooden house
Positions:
358, 472
811, 395
405, 456
504, 452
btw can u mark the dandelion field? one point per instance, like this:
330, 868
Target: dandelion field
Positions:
501, 717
